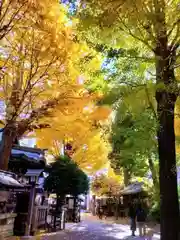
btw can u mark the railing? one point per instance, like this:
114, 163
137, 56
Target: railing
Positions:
7, 224
56, 220
39, 217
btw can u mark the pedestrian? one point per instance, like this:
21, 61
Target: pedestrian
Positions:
105, 211
141, 220
100, 212
132, 216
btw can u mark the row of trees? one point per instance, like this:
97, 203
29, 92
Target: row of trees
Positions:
136, 67
146, 31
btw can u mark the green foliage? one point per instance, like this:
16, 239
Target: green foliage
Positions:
126, 23
132, 141
154, 212
152, 27
65, 177
128, 88
133, 129
121, 67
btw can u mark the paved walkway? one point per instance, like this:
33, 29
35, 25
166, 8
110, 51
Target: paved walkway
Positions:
91, 229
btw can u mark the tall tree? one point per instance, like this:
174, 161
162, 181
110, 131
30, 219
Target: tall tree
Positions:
155, 25
37, 74
25, 79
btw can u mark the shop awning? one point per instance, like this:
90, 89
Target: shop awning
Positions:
8, 181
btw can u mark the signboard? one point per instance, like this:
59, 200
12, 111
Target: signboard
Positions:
71, 203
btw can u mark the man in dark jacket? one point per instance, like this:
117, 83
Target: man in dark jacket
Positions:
141, 220
132, 216
100, 212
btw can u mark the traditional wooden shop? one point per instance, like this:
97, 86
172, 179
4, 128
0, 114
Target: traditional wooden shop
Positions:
29, 163
133, 192
26, 170
8, 185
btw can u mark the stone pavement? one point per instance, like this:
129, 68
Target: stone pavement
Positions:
93, 229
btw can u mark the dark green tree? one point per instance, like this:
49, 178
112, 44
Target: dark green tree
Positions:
65, 177
134, 144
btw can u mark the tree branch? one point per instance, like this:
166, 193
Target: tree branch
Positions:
128, 31
150, 103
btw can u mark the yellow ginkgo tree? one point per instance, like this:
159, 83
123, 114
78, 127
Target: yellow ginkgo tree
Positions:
39, 72
77, 125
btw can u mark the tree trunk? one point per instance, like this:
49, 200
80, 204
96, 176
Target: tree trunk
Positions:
59, 204
127, 176
117, 207
8, 136
167, 172
75, 209
94, 205
153, 172
166, 97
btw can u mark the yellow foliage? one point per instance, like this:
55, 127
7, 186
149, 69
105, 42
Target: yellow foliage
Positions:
43, 74
41, 64
112, 174
104, 185
101, 113
92, 155
90, 149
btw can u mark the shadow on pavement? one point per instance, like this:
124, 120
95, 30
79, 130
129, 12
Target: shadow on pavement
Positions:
92, 230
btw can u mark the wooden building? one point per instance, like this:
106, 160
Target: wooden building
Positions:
24, 162
29, 163
8, 185
133, 192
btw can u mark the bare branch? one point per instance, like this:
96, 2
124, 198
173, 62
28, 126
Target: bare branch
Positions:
7, 27
173, 27
36, 114
177, 66
5, 12
175, 42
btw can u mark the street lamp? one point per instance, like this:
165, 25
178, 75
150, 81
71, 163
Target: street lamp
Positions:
33, 175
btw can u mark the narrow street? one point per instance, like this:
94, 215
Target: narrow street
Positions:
92, 229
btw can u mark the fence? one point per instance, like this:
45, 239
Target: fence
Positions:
39, 217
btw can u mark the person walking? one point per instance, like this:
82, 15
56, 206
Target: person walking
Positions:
141, 220
100, 212
132, 216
